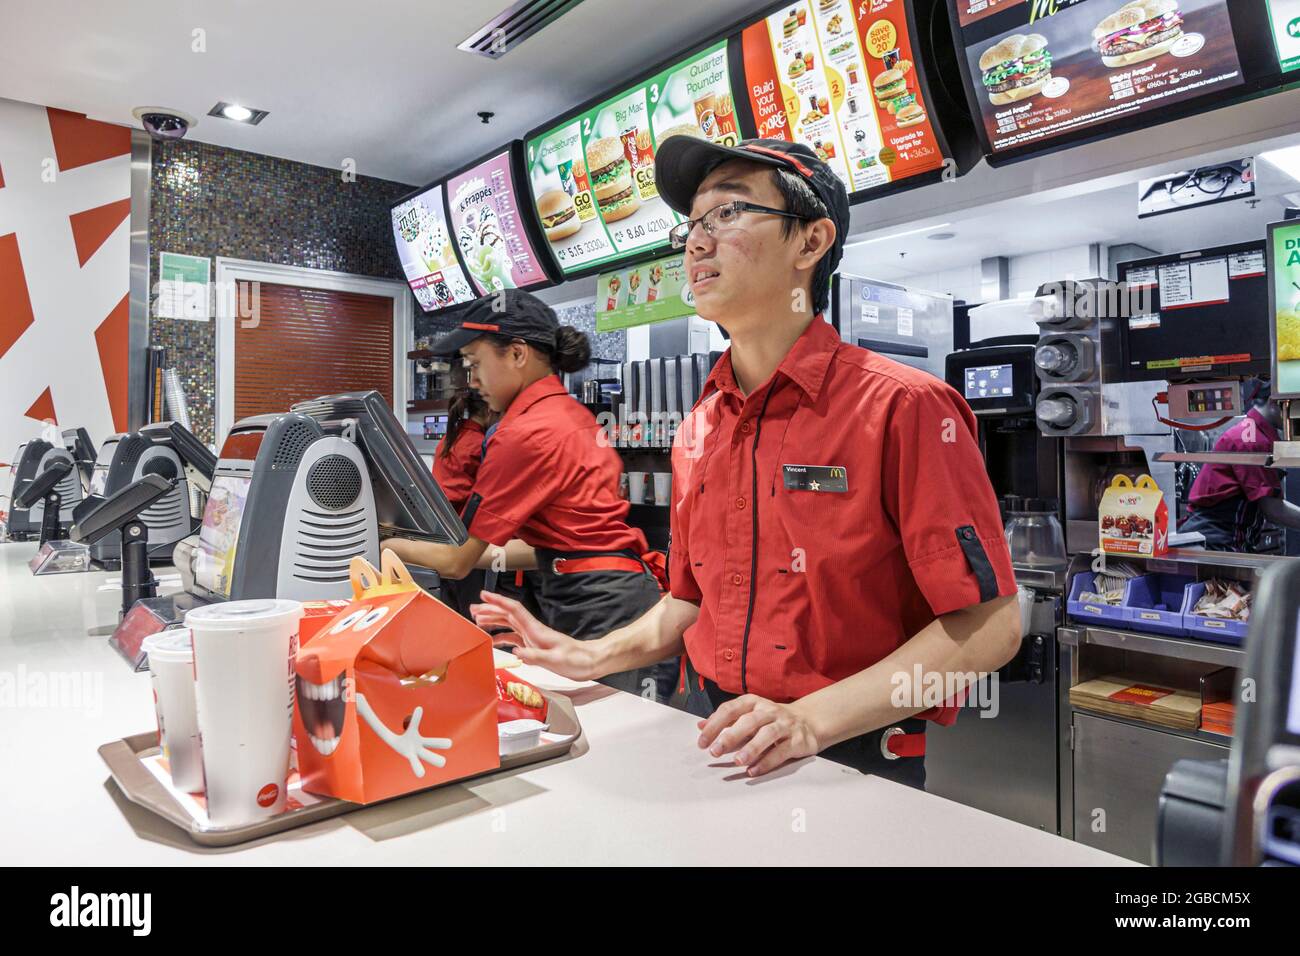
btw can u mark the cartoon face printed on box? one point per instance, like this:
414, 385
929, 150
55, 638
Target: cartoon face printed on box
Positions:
397, 694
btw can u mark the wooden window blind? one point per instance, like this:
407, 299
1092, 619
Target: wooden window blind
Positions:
311, 342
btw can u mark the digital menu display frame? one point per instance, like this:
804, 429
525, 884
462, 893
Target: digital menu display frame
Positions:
880, 88
1045, 75
496, 235
427, 251
590, 171
1282, 257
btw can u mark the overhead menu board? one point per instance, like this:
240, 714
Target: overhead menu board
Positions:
1284, 17
425, 249
592, 177
489, 228
1284, 306
1042, 74
842, 78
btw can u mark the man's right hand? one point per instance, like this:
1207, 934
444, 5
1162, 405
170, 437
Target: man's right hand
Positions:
534, 642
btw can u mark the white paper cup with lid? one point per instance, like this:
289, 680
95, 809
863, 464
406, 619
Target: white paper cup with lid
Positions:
244, 655
171, 672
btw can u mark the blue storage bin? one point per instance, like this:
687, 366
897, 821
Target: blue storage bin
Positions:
1154, 603
1091, 613
1210, 628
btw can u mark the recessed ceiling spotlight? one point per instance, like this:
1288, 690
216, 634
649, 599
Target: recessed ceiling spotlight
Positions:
237, 113
942, 235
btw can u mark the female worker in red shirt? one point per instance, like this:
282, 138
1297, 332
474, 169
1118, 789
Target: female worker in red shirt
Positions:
547, 492
455, 465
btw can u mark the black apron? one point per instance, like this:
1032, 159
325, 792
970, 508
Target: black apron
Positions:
589, 604
864, 753
1233, 524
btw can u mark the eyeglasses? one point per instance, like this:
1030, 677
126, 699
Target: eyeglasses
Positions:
725, 216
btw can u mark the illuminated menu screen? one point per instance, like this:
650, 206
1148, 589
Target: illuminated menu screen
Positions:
1284, 273
1038, 71
485, 218
842, 78
424, 246
593, 177
1284, 16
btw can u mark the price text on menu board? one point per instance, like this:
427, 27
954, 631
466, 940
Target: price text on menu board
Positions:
593, 179
424, 246
841, 77
1044, 68
485, 219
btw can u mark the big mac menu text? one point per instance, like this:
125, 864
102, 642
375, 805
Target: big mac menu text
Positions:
1043, 69
593, 177
840, 76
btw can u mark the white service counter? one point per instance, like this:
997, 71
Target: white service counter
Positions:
635, 790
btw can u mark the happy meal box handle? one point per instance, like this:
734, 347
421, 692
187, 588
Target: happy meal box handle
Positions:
1121, 481
395, 572
364, 576
1147, 483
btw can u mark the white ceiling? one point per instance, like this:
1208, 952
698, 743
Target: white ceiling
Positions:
380, 82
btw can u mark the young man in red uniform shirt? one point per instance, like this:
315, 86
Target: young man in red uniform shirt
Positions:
833, 526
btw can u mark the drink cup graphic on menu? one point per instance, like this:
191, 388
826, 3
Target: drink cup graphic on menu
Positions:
1016, 68
611, 179
1138, 31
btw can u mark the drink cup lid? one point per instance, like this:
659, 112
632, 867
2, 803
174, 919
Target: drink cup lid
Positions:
244, 615
174, 646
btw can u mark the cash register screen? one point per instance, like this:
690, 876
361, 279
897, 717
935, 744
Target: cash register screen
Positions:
989, 381
214, 566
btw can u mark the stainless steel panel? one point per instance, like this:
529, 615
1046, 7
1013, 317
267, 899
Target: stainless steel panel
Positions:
1118, 771
138, 305
1006, 764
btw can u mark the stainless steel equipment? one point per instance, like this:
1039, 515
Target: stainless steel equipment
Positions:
911, 326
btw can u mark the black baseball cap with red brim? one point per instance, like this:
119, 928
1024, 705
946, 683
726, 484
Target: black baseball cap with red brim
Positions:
682, 162
509, 312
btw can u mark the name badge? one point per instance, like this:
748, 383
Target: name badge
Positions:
815, 478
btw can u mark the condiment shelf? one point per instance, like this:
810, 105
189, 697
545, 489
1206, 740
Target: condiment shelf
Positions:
1219, 655
1204, 736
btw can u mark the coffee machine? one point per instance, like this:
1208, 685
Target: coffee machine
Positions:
1009, 765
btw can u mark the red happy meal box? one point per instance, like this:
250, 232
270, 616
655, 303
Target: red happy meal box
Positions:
1133, 518
397, 694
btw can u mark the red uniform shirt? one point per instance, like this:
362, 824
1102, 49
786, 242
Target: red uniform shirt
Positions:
800, 587
1216, 483
455, 471
549, 481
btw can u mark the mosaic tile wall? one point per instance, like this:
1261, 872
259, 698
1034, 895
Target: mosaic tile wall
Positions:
211, 201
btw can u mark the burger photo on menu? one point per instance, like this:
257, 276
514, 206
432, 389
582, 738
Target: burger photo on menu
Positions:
1093, 64
611, 179
890, 86
558, 214
1138, 31
910, 115
1016, 67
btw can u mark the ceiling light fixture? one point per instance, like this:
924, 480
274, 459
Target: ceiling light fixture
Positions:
237, 113
940, 236
899, 235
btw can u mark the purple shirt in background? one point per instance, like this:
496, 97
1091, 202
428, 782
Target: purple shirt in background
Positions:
1216, 483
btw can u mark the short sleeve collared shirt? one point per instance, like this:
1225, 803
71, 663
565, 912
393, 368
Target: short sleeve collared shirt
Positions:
828, 516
